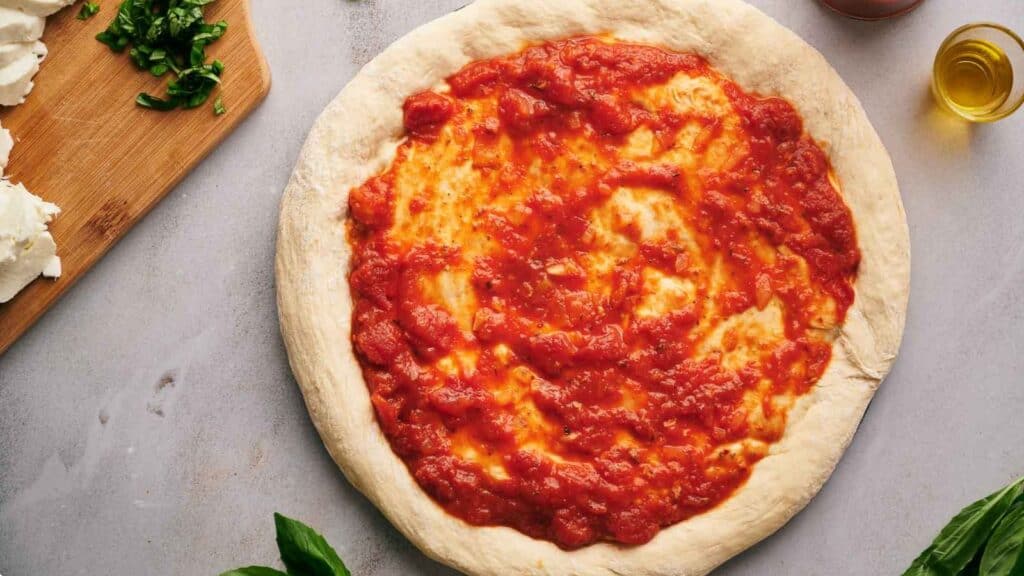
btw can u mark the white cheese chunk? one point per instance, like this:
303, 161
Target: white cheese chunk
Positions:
6, 144
26, 247
37, 7
16, 78
15, 50
17, 26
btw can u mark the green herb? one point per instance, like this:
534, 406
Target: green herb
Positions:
1004, 553
89, 9
975, 531
218, 106
168, 36
254, 571
303, 551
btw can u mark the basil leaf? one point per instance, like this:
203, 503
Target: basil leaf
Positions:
157, 30
124, 21
115, 42
305, 552
196, 100
140, 55
198, 55
182, 20
1004, 553
147, 101
89, 9
254, 571
210, 33
965, 534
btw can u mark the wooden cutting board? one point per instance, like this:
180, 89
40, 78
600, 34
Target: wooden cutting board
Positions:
82, 143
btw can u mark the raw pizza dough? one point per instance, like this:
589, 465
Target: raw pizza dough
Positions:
356, 137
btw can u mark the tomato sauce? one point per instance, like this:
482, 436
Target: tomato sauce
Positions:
638, 420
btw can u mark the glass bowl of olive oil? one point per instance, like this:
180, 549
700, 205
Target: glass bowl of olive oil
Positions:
979, 72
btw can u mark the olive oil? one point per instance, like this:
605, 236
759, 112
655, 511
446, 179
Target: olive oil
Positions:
974, 78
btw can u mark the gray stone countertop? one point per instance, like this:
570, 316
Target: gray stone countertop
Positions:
149, 423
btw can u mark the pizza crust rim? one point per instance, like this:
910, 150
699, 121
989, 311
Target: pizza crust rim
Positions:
356, 136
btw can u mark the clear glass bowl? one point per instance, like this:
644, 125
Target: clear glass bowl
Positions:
1013, 48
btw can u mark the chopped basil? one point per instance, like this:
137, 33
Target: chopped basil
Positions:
303, 551
89, 9
218, 106
147, 101
168, 36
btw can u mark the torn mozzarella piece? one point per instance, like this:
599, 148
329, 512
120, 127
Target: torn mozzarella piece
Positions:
17, 26
26, 247
37, 7
10, 53
6, 144
16, 77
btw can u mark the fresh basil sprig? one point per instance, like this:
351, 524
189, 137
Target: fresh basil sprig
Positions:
1005, 552
303, 551
984, 539
169, 36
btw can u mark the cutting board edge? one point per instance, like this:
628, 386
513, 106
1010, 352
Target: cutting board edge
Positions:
265, 76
